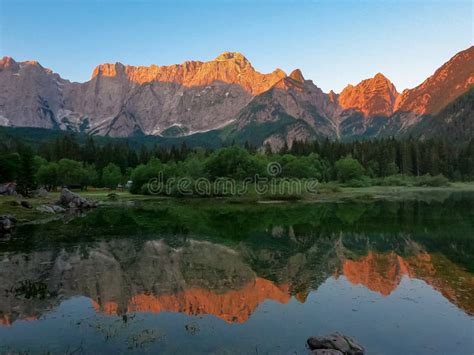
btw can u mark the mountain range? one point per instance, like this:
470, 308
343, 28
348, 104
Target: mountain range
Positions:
229, 96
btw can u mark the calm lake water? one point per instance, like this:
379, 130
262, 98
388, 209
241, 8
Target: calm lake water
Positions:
214, 277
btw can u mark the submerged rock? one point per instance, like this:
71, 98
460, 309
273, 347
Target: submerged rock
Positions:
341, 344
69, 199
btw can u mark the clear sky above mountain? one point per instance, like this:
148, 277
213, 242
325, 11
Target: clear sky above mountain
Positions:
333, 42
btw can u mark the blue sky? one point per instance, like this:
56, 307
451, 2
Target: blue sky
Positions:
333, 42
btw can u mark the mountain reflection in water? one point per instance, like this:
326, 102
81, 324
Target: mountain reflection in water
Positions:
227, 260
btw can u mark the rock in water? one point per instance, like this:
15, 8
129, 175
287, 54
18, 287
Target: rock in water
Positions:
50, 209
71, 200
7, 223
45, 209
340, 343
326, 352
58, 209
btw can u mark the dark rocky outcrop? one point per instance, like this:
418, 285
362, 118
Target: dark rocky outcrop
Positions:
41, 192
335, 344
8, 189
7, 223
70, 199
53, 209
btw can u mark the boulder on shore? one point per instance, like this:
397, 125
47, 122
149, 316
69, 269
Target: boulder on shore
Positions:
8, 189
58, 209
41, 192
335, 344
70, 199
7, 223
50, 209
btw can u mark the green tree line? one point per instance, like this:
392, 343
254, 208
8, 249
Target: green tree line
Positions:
360, 163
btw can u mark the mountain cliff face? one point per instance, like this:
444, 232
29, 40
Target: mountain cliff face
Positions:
366, 107
188, 98
371, 97
30, 95
122, 100
183, 99
455, 121
417, 106
294, 108
230, 68
447, 83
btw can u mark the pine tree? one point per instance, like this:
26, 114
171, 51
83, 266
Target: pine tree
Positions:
26, 174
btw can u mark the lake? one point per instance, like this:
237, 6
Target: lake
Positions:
206, 276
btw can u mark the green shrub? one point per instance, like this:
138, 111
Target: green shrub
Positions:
433, 181
329, 187
111, 176
142, 174
396, 180
348, 169
363, 181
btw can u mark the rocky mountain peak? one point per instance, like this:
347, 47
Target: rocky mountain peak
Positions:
373, 97
108, 69
234, 56
32, 62
380, 77
197, 96
8, 63
333, 97
229, 67
279, 73
297, 75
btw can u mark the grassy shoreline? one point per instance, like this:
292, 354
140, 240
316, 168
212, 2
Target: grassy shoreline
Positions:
327, 194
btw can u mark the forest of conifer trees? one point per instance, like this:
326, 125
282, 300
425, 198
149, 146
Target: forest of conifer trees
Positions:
66, 161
